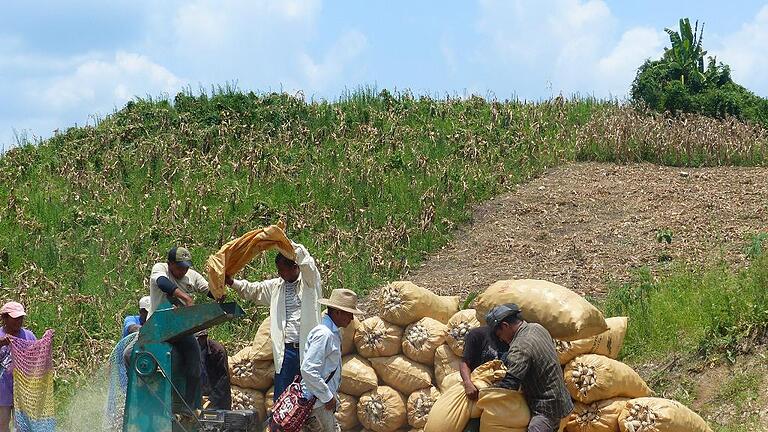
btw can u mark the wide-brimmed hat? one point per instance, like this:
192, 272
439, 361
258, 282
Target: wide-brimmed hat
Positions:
13, 309
145, 303
342, 299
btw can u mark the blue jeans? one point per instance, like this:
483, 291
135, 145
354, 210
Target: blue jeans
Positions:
288, 372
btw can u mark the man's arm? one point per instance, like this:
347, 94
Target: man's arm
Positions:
171, 290
466, 377
259, 292
472, 351
312, 366
308, 268
517, 362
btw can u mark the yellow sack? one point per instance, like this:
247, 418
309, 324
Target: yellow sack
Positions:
403, 303
262, 342
402, 373
382, 410
375, 337
249, 373
446, 364
235, 255
600, 416
450, 381
247, 399
421, 338
346, 412
502, 410
453, 408
268, 396
607, 343
660, 415
420, 404
565, 314
458, 326
348, 337
357, 376
592, 377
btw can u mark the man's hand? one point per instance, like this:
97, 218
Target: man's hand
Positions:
4, 340
331, 404
471, 391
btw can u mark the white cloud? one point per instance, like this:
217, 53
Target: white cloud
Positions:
746, 51
320, 74
617, 69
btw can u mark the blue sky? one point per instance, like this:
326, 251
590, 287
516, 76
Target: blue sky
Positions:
62, 63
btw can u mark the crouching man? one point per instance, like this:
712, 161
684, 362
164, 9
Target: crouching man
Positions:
532, 364
321, 362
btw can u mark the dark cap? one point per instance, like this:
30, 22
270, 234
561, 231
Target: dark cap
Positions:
181, 256
496, 315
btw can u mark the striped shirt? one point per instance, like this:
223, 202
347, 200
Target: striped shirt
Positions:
532, 363
292, 312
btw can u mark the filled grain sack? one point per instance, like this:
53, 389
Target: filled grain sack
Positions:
382, 410
250, 373
450, 381
262, 342
346, 412
592, 377
402, 373
565, 314
453, 408
421, 338
600, 416
659, 415
458, 326
248, 399
268, 398
607, 343
403, 303
348, 337
502, 410
420, 404
375, 337
357, 375
446, 364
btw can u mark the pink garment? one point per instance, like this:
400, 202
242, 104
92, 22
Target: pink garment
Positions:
6, 380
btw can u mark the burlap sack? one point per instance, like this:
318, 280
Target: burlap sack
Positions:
453, 408
375, 337
421, 338
420, 404
458, 326
403, 303
450, 381
248, 399
262, 342
268, 398
402, 373
565, 314
382, 410
357, 376
249, 373
446, 364
348, 337
346, 412
661, 415
502, 410
607, 343
592, 377
600, 416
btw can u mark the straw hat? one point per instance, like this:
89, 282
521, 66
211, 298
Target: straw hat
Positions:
342, 299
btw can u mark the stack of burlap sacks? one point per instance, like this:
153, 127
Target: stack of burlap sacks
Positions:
400, 369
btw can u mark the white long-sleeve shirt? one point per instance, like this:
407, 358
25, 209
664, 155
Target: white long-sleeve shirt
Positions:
272, 293
322, 357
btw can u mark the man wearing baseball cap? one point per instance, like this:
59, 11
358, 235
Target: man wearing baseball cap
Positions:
12, 316
532, 365
132, 323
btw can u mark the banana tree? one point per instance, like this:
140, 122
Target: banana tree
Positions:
686, 56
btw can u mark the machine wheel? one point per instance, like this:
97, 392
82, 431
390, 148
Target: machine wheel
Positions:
145, 364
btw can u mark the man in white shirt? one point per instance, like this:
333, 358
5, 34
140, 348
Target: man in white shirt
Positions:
293, 309
321, 362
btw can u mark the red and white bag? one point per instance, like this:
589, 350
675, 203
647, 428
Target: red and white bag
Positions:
291, 409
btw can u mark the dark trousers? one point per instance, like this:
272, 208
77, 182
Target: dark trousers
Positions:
540, 423
288, 372
189, 361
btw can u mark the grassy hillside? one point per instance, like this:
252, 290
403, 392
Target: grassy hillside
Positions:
369, 183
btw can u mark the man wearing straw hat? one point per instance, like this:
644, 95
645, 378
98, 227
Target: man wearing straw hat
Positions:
321, 362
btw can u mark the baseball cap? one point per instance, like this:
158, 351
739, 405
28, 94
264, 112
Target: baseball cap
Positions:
144, 302
13, 309
181, 256
496, 315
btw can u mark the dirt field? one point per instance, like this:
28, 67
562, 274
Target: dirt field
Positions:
584, 225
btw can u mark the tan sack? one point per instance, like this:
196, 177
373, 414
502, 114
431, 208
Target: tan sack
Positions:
268, 398
421, 338
402, 373
565, 314
420, 404
450, 381
502, 410
592, 377
262, 342
248, 399
247, 372
382, 410
659, 415
346, 412
458, 326
446, 363
403, 303
607, 343
357, 376
348, 337
453, 408
375, 337
600, 416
